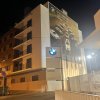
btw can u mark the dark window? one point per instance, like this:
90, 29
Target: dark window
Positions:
29, 23
0, 70
13, 81
29, 48
17, 65
0, 82
4, 49
5, 39
29, 35
18, 53
17, 42
35, 78
7, 68
2, 40
10, 45
29, 63
22, 79
11, 35
9, 56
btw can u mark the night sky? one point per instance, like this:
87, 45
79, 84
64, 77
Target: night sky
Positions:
82, 11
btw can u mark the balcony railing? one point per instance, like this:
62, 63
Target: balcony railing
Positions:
28, 65
21, 53
18, 42
17, 67
21, 29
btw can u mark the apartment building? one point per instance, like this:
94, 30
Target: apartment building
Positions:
6, 51
35, 68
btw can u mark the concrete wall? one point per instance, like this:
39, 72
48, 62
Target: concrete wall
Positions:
29, 85
36, 38
45, 34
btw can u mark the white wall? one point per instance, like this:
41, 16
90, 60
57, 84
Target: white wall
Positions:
45, 33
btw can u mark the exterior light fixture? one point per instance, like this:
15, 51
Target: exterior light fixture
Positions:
89, 56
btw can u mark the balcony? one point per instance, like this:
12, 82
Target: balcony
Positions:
21, 29
18, 41
19, 53
23, 39
17, 67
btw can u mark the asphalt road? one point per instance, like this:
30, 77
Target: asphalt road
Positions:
31, 96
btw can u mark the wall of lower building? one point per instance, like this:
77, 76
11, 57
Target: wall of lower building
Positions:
36, 85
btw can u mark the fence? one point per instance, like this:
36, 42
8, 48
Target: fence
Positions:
89, 83
62, 95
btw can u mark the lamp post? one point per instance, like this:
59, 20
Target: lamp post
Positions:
90, 58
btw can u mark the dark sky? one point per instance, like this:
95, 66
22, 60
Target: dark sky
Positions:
82, 11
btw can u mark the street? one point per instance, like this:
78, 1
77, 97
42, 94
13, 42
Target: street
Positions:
30, 96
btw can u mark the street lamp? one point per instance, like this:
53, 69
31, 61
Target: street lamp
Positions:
90, 58
93, 53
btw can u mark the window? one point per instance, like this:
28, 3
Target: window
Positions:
7, 68
13, 81
5, 39
29, 63
4, 49
17, 65
29, 48
29, 35
9, 56
11, 35
0, 82
0, 70
22, 79
29, 23
2, 40
35, 78
10, 45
